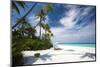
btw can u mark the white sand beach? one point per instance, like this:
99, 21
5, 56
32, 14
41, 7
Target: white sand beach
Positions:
66, 54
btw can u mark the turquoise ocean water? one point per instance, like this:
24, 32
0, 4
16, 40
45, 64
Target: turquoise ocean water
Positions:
80, 45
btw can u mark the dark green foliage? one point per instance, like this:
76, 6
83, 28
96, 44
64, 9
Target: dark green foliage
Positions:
20, 44
31, 44
17, 59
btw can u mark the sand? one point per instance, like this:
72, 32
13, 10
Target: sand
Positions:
66, 54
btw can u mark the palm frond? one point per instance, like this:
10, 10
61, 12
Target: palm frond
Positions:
21, 4
48, 8
14, 6
24, 16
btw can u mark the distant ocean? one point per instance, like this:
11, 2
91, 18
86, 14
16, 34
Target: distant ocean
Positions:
80, 45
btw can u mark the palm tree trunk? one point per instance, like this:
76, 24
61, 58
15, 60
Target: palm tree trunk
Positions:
40, 28
40, 32
45, 35
24, 16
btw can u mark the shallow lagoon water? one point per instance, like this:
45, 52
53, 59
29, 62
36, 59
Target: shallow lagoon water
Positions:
79, 45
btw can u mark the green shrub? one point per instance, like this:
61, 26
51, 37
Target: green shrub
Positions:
25, 43
37, 55
35, 44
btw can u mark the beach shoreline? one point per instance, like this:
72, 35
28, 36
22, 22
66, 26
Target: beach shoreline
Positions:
65, 54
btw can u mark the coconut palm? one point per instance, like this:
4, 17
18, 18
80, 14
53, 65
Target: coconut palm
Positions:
42, 16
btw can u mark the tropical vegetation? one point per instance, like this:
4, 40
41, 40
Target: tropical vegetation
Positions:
23, 33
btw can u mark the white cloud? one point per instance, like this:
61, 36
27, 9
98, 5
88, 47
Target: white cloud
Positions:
33, 20
86, 11
87, 34
67, 20
74, 14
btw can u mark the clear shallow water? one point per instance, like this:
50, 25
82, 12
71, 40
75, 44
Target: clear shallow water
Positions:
80, 45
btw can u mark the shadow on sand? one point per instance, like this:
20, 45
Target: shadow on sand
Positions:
70, 50
31, 59
45, 57
90, 55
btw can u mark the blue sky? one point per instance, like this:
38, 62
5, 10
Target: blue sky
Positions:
69, 23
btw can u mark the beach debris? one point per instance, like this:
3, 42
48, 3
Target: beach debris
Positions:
37, 55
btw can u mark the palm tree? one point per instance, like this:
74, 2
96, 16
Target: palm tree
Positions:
48, 31
26, 29
31, 32
22, 27
42, 15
